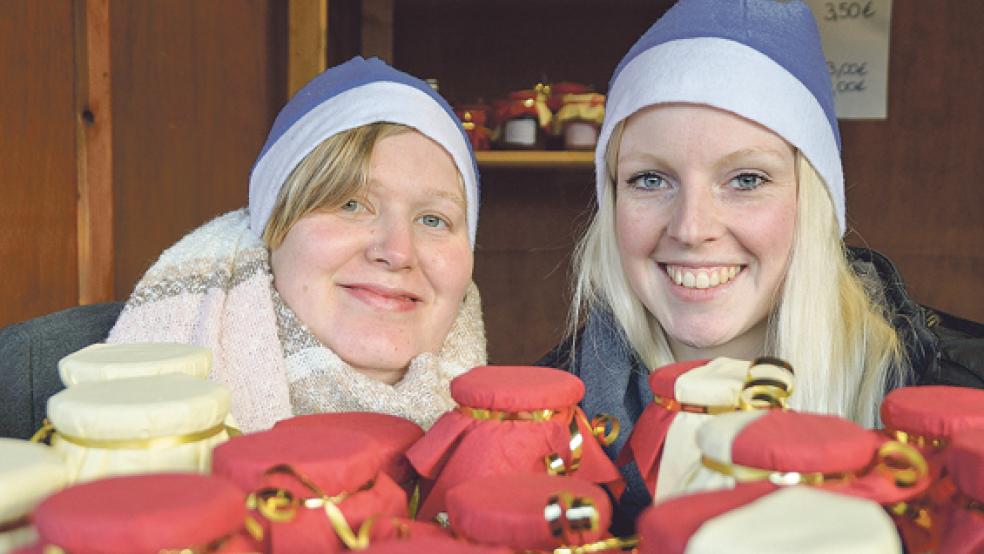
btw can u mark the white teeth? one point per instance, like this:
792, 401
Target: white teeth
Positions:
702, 278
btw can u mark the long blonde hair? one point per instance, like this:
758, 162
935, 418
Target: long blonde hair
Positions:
825, 324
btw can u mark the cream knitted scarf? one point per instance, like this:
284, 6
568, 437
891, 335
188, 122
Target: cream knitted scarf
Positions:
214, 288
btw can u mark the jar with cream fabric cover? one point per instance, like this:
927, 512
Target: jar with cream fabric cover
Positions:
143, 424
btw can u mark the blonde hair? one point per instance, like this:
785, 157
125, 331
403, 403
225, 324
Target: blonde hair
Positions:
329, 176
825, 324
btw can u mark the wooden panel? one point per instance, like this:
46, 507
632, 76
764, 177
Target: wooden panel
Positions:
196, 86
307, 40
913, 180
486, 49
93, 100
37, 160
527, 227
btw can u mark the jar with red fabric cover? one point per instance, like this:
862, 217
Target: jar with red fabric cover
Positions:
685, 396
534, 513
926, 417
474, 119
311, 491
143, 514
964, 531
524, 119
823, 451
394, 436
513, 419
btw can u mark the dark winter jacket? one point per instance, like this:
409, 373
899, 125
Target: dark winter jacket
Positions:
942, 349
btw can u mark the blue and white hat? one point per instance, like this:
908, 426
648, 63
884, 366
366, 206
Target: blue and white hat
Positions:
355, 93
759, 59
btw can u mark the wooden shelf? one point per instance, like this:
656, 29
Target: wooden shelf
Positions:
574, 159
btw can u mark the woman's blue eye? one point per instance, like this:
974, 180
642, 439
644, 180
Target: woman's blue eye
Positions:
351, 205
433, 221
647, 180
748, 181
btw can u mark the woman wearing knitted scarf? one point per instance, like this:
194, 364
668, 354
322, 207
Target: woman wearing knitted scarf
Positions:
719, 228
346, 283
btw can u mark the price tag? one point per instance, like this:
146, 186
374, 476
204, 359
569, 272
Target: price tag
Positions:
855, 39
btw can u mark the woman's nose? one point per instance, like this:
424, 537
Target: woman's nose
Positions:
392, 245
695, 218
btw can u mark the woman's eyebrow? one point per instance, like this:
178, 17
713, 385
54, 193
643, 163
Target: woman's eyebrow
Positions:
455, 198
743, 153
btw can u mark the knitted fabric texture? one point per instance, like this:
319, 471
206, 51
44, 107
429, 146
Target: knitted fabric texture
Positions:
214, 288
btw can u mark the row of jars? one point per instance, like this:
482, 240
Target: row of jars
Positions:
517, 467
561, 116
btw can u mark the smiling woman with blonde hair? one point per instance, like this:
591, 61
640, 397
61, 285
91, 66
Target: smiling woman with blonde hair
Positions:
719, 230
346, 283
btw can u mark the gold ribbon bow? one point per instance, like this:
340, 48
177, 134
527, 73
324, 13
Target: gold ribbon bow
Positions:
48, 430
599, 429
756, 394
280, 506
570, 517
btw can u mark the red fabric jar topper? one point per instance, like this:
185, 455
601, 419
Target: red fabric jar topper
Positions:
474, 119
688, 394
925, 418
533, 513
828, 452
964, 533
764, 518
512, 419
559, 90
311, 492
143, 514
393, 434
790, 448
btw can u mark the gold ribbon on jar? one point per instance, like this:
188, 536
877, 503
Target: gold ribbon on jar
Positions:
599, 426
48, 430
748, 474
919, 441
569, 517
901, 463
488, 414
280, 506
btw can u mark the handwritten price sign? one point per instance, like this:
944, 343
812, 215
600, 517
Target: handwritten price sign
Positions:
855, 41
